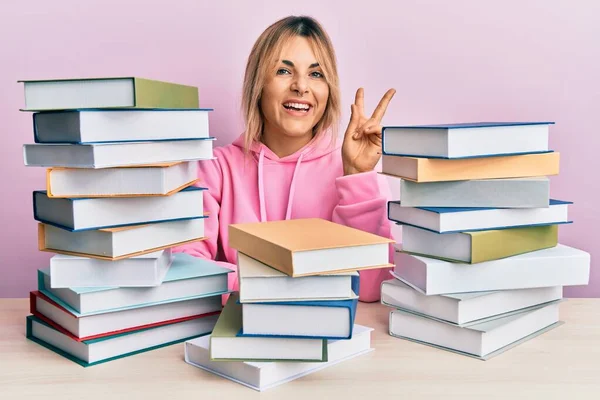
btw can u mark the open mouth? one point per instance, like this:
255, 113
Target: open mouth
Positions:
299, 107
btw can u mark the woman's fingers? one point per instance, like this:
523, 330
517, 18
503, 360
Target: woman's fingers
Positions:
359, 101
382, 106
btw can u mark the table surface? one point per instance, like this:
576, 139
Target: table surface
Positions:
562, 363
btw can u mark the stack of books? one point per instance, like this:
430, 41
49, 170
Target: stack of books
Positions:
121, 191
480, 268
295, 310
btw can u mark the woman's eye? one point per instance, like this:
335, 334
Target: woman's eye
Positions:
282, 71
316, 74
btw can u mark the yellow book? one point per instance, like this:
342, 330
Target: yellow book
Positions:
479, 246
310, 246
419, 169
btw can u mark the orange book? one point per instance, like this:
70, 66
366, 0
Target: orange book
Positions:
310, 246
419, 169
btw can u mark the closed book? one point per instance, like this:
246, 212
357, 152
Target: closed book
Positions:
420, 169
310, 319
137, 181
479, 246
80, 214
119, 243
464, 309
141, 271
188, 277
462, 140
94, 326
96, 351
532, 192
310, 246
557, 266
107, 92
463, 219
116, 154
262, 376
482, 341
226, 345
261, 283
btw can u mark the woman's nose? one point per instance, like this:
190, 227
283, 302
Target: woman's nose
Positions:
300, 85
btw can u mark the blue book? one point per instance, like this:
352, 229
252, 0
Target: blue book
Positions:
188, 277
466, 219
465, 140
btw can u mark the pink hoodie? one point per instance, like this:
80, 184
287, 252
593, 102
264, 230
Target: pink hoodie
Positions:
308, 183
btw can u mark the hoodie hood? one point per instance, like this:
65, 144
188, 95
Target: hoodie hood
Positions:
318, 147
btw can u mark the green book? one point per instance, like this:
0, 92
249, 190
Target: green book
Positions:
106, 93
478, 246
226, 345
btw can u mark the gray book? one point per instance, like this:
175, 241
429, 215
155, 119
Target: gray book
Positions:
533, 192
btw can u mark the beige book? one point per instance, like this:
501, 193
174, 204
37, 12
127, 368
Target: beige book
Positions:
310, 246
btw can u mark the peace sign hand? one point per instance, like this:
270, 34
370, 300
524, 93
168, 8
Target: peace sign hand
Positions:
361, 149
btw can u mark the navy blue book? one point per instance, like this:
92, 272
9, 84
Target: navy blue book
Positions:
464, 140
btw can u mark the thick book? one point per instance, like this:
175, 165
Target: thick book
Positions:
262, 376
116, 154
420, 169
464, 309
479, 246
310, 246
463, 140
93, 326
226, 345
96, 351
149, 180
464, 219
188, 277
119, 243
532, 192
103, 126
261, 283
107, 92
141, 271
557, 266
80, 214
309, 319
482, 341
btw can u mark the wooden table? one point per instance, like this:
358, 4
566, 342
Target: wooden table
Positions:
561, 364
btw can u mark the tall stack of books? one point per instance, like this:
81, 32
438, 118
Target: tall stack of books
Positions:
295, 310
121, 191
480, 268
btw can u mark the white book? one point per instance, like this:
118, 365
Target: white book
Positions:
110, 212
118, 243
529, 192
151, 180
464, 309
266, 375
120, 125
87, 326
188, 277
116, 154
141, 271
261, 283
557, 266
466, 140
483, 340
457, 219
92, 352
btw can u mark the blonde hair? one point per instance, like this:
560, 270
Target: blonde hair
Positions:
262, 61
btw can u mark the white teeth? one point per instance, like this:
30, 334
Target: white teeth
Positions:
298, 106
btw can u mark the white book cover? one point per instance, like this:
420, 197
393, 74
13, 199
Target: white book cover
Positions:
142, 271
262, 376
557, 266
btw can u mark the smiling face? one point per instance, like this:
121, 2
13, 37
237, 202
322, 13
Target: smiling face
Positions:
295, 96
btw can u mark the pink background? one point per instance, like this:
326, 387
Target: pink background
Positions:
451, 61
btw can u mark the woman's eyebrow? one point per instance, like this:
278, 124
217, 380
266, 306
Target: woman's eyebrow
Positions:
291, 64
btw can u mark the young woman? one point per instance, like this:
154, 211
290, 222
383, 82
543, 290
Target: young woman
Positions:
287, 164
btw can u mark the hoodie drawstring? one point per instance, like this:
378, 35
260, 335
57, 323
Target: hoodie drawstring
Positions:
261, 189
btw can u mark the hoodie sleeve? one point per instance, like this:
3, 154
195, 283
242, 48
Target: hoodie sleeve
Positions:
363, 205
211, 177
